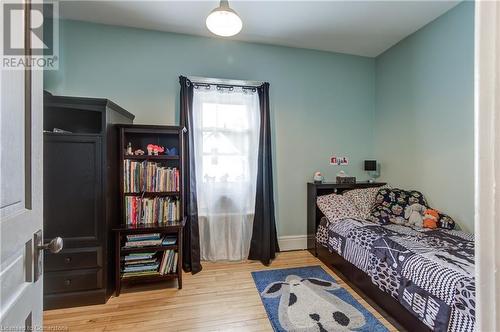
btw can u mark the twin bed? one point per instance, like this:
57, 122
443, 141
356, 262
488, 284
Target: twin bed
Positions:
422, 277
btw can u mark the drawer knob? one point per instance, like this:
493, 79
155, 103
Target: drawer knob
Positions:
67, 260
67, 282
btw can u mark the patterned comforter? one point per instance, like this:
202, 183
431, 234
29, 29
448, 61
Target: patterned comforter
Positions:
430, 272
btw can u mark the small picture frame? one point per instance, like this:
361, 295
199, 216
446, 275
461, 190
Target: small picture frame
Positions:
339, 161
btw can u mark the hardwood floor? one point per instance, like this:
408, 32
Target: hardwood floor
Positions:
222, 297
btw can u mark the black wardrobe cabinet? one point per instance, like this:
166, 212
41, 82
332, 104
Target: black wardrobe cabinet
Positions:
81, 197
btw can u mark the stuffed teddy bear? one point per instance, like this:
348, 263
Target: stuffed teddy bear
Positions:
431, 218
414, 213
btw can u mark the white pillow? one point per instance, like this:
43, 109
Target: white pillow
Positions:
336, 207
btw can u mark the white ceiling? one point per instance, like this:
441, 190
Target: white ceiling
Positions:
355, 27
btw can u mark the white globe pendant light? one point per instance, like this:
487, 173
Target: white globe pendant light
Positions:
223, 21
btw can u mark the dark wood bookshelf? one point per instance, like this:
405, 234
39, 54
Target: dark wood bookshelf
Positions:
140, 136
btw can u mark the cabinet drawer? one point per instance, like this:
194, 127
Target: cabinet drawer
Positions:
71, 281
70, 259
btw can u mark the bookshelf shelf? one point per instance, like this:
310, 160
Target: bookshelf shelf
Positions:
148, 249
150, 278
154, 193
143, 212
144, 228
160, 157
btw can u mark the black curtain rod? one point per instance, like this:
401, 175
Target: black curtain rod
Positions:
225, 86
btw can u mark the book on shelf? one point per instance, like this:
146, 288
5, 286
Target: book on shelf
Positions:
149, 176
147, 240
176, 260
169, 262
138, 256
140, 244
138, 264
157, 210
141, 267
169, 240
143, 237
139, 261
147, 264
126, 275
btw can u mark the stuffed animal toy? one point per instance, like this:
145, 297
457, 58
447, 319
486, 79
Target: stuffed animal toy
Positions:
445, 221
154, 150
397, 220
414, 214
431, 218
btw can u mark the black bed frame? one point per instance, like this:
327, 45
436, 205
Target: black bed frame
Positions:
359, 281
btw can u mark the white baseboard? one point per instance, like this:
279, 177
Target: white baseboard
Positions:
292, 242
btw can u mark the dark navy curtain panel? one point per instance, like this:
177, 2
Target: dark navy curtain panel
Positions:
264, 243
191, 243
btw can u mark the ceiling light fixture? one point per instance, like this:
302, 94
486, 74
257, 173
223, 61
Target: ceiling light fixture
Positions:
223, 21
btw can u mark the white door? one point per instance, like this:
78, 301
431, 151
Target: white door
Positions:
21, 130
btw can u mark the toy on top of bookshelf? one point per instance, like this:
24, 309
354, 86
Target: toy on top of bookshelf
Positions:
129, 152
155, 150
152, 150
172, 152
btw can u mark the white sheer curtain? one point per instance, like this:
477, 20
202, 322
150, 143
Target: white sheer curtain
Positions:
226, 141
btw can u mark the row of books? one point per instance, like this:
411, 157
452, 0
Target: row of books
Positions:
157, 210
149, 176
168, 262
148, 264
139, 264
149, 239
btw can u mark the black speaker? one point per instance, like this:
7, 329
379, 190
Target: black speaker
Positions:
370, 165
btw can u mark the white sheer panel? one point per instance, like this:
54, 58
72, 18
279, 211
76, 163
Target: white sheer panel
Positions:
226, 131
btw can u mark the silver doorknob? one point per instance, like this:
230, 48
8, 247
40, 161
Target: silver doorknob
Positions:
54, 246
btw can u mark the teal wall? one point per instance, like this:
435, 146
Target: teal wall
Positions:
411, 107
424, 118
321, 103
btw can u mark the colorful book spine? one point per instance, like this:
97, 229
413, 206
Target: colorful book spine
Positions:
150, 177
169, 262
157, 210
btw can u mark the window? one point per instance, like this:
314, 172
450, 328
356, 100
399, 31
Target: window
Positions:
226, 142
226, 139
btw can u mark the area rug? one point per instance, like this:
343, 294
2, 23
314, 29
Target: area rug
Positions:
309, 299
